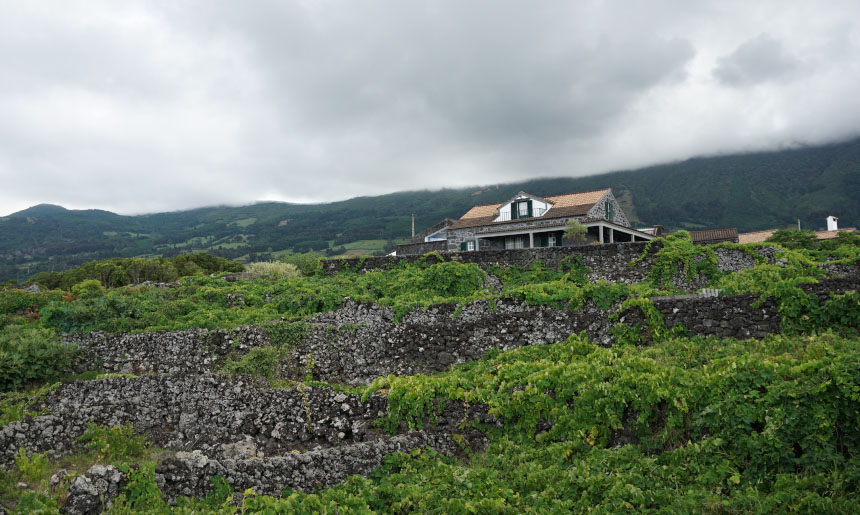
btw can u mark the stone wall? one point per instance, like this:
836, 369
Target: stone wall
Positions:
361, 341
610, 261
252, 435
421, 248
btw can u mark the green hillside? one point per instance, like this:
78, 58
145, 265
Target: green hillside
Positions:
748, 191
663, 420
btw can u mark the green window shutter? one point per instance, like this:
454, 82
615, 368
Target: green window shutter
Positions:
462, 245
611, 212
558, 238
544, 240
513, 210
529, 204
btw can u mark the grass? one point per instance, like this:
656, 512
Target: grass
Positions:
244, 222
364, 244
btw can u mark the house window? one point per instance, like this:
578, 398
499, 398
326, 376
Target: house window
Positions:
523, 209
514, 242
609, 209
551, 240
470, 245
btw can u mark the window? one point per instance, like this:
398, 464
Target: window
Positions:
514, 242
470, 245
551, 240
609, 210
523, 209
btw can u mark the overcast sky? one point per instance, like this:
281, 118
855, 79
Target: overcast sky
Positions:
140, 107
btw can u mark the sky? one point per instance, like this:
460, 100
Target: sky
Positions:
151, 106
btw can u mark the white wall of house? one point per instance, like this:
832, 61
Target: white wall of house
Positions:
538, 208
437, 236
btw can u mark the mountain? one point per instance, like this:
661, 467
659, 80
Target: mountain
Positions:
749, 191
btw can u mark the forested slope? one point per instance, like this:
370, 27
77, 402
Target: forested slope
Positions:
748, 191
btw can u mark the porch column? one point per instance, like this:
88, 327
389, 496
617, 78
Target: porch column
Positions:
611, 235
477, 243
531, 240
600, 231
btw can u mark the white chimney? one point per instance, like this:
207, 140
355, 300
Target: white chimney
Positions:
831, 223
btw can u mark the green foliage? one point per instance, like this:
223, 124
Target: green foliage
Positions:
20, 306
514, 276
88, 289
285, 334
31, 468
452, 279
141, 493
114, 444
794, 239
308, 263
273, 269
575, 232
115, 272
682, 425
36, 504
258, 362
679, 259
29, 354
685, 425
17, 405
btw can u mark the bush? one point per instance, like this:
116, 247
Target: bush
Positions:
794, 239
88, 289
307, 263
273, 269
29, 354
117, 443
259, 362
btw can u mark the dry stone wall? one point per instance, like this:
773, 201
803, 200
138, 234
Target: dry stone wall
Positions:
612, 262
251, 434
361, 341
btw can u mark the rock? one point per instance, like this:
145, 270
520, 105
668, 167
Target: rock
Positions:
94, 491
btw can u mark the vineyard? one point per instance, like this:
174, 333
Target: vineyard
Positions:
588, 381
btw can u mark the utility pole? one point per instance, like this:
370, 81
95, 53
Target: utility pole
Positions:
413, 225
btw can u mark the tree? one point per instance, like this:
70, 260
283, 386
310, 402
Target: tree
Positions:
575, 232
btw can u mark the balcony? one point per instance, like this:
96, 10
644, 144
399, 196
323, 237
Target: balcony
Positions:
506, 216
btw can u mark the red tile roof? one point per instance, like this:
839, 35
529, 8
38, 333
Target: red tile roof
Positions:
728, 234
571, 204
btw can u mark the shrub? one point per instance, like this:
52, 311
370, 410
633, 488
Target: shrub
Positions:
308, 263
30, 354
259, 362
273, 269
32, 468
117, 443
89, 289
794, 239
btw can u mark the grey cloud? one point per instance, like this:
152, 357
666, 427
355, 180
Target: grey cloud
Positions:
757, 60
140, 106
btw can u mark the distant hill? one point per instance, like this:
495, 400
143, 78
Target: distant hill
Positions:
40, 210
749, 191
